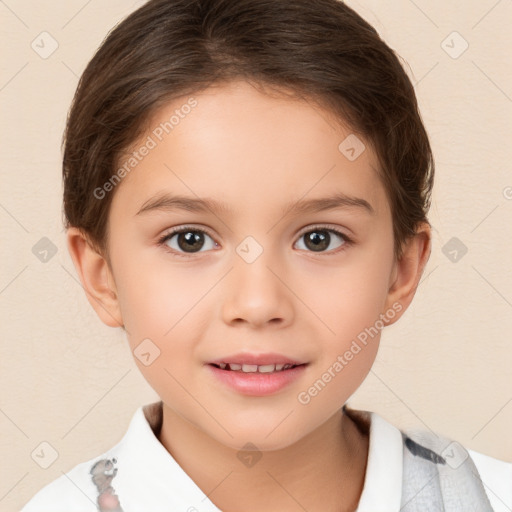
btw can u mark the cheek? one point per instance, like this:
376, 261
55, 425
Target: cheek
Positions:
155, 297
160, 305
349, 302
348, 297
169, 304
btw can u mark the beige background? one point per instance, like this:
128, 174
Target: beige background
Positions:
68, 380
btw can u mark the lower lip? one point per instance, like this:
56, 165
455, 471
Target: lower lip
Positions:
255, 383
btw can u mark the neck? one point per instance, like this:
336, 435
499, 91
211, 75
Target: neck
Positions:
324, 471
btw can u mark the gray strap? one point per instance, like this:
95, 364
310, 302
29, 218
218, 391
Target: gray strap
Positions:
439, 475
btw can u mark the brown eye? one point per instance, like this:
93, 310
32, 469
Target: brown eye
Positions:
191, 241
188, 240
319, 239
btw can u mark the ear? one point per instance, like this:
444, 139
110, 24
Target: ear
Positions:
96, 277
407, 271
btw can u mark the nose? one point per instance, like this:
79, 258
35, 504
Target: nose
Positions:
257, 294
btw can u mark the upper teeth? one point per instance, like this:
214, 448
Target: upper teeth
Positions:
251, 368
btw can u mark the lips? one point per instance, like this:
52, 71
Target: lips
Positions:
242, 373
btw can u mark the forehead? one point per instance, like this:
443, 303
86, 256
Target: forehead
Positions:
248, 149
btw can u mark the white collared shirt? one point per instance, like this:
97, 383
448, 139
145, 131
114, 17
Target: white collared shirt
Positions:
148, 478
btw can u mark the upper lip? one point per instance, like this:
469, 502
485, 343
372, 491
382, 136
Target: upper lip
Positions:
257, 359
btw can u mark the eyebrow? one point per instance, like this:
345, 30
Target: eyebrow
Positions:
168, 202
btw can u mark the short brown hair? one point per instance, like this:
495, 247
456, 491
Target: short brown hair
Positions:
318, 49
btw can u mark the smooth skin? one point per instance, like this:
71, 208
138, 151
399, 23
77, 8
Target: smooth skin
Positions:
257, 152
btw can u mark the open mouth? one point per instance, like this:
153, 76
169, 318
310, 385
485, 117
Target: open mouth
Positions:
253, 368
250, 379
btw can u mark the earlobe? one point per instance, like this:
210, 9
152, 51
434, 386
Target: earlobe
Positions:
96, 278
408, 270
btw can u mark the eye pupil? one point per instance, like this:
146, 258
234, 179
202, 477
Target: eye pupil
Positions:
318, 240
194, 240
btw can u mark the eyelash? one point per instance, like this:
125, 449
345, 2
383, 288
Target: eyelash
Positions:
184, 229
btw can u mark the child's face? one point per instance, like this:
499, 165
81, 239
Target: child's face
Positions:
304, 297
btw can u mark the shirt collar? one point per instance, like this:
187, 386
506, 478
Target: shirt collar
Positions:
167, 485
140, 448
382, 490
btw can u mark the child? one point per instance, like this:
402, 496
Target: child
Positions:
283, 139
